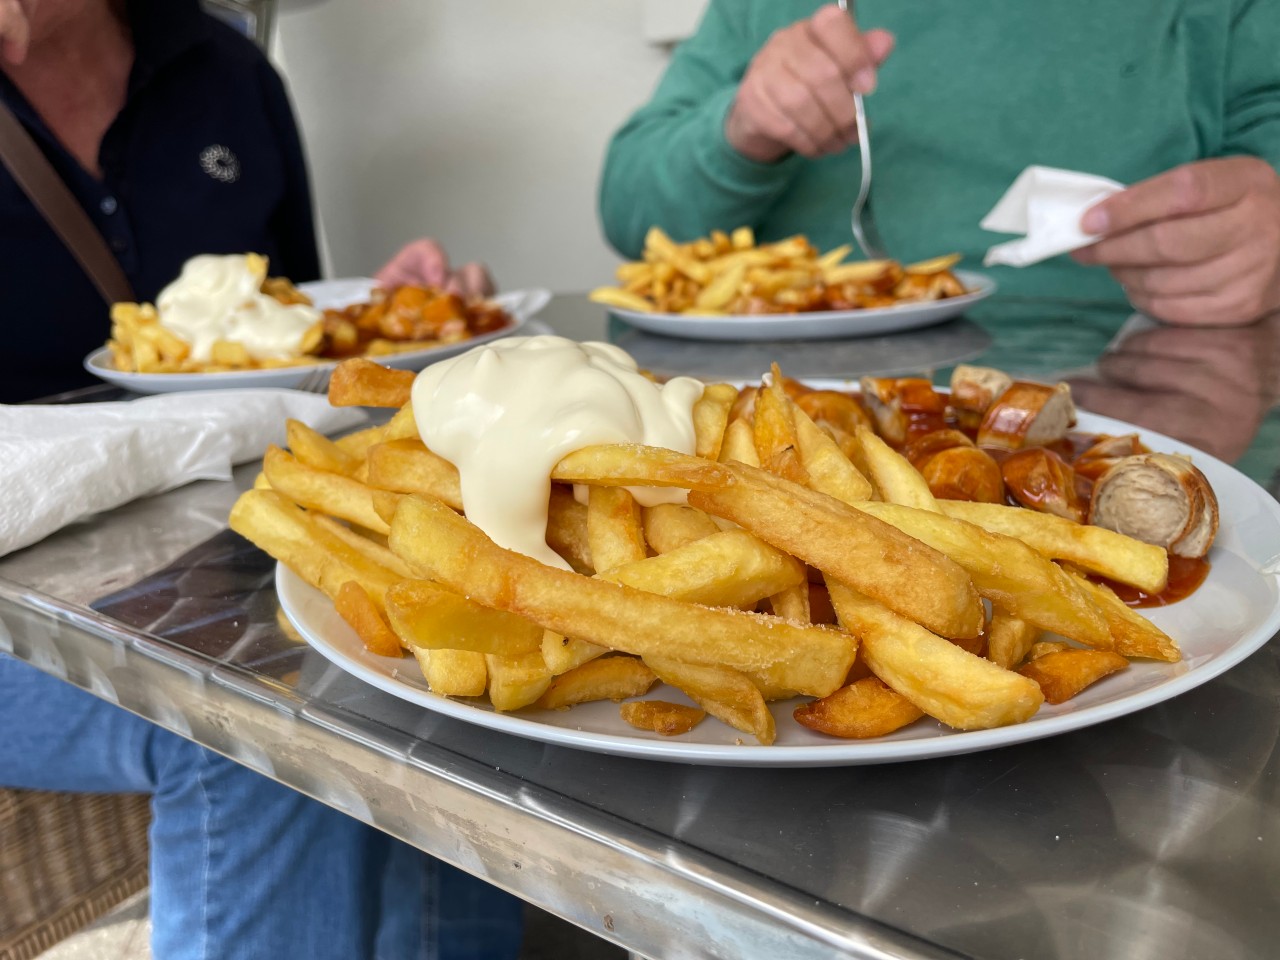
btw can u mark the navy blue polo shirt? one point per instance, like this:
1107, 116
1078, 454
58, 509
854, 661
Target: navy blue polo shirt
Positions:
203, 158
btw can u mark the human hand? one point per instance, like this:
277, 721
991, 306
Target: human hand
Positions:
797, 94
423, 262
1197, 245
1208, 387
15, 29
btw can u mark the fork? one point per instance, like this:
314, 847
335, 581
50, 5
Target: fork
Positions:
317, 380
862, 221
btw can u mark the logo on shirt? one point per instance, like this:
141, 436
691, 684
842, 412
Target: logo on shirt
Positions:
220, 163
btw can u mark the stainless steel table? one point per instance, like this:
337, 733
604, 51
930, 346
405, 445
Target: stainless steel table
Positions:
1156, 835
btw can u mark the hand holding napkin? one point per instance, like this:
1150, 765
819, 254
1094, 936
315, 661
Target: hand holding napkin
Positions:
1046, 205
59, 464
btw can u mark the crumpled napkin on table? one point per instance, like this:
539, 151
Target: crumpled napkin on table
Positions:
1046, 205
59, 464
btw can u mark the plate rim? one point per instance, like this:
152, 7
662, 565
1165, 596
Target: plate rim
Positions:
92, 361
291, 590
988, 286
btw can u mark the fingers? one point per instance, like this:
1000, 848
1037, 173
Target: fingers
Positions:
797, 94
422, 262
472, 280
1182, 281
15, 32
1191, 189
1178, 240
1233, 307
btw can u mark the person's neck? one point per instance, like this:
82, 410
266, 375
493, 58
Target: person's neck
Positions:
76, 75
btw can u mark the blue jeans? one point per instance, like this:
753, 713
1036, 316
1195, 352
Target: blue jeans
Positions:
242, 867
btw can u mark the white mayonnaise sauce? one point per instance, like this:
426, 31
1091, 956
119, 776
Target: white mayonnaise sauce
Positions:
505, 414
220, 298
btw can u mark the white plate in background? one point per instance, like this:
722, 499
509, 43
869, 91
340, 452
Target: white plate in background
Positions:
1234, 613
822, 325
326, 294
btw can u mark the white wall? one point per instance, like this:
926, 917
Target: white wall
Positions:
480, 122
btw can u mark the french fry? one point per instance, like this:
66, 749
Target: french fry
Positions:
622, 299
825, 464
359, 442
362, 383
607, 678
1063, 674
316, 450
724, 693
865, 708
711, 416
668, 526
425, 614
909, 577
561, 654
635, 465
567, 529
516, 682
407, 466
739, 444
385, 503
728, 568
896, 479
1132, 634
354, 606
453, 673
774, 432
439, 543
372, 550
1097, 549
402, 426
329, 493
792, 603
1009, 639
1006, 571
659, 716
281, 528
946, 682
614, 529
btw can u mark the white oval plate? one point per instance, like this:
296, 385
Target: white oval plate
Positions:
824, 325
1234, 612
326, 294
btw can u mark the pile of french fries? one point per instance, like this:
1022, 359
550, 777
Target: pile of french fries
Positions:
729, 274
811, 561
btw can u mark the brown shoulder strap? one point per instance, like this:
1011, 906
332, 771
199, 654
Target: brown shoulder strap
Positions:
41, 183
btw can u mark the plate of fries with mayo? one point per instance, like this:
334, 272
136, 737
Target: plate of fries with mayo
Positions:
729, 287
774, 574
224, 323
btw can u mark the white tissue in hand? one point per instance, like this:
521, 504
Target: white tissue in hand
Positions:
1046, 205
59, 464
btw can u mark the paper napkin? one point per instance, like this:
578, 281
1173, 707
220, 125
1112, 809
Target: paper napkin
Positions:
59, 464
1046, 205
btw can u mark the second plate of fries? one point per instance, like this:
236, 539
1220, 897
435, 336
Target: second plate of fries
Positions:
297, 515
729, 287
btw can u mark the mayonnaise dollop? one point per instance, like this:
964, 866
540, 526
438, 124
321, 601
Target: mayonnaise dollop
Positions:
505, 414
220, 298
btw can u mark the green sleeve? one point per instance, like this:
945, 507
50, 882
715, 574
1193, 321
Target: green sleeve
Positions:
1252, 123
670, 165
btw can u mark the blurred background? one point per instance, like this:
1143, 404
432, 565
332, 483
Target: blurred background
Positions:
483, 125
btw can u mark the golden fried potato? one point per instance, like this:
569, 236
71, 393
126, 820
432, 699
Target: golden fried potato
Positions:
865, 708
723, 692
1064, 673
362, 383
354, 606
663, 718
606, 678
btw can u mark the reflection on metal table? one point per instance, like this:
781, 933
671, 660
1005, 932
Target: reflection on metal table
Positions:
1149, 835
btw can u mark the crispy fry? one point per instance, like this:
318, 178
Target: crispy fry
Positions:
724, 693
402, 426
438, 542
774, 432
614, 530
361, 614
362, 383
635, 465
828, 469
865, 708
1009, 639
373, 550
1097, 549
329, 493
1063, 674
663, 718
567, 529
316, 450
407, 466
946, 682
910, 577
1132, 634
453, 673
739, 444
1005, 571
425, 614
896, 479
668, 526
711, 416
607, 678
516, 682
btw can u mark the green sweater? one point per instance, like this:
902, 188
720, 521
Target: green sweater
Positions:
974, 92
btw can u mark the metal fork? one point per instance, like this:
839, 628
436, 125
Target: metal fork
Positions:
317, 380
863, 223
